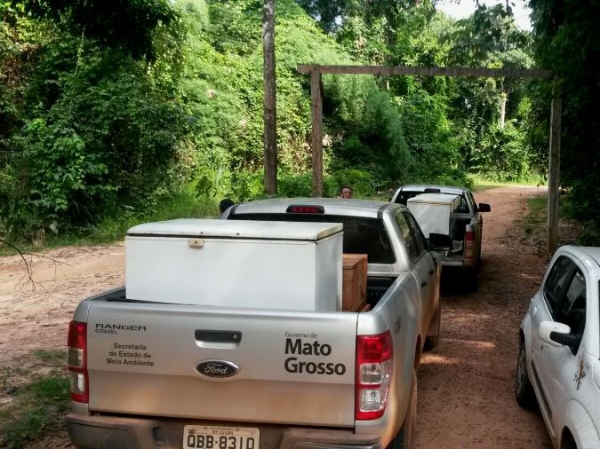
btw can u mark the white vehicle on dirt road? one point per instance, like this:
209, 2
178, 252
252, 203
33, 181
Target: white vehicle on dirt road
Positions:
558, 366
467, 227
235, 334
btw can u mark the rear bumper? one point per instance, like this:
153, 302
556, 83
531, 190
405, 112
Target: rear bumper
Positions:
467, 265
108, 432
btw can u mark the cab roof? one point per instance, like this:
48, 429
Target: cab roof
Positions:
331, 206
584, 252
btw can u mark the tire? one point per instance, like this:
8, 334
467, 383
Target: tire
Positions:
406, 437
524, 392
432, 343
433, 338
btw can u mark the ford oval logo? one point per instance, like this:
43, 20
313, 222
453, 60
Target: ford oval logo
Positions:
217, 368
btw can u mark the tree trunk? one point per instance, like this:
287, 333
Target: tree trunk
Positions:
270, 119
502, 109
317, 135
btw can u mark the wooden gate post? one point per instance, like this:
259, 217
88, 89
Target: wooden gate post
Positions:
317, 139
554, 166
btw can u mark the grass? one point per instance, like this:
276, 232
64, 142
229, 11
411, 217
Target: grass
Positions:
37, 404
538, 214
112, 229
50, 356
481, 183
183, 205
534, 225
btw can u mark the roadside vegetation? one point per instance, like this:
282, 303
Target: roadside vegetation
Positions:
103, 129
533, 225
34, 399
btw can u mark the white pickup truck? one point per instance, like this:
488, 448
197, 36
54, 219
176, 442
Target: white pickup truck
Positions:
163, 374
467, 227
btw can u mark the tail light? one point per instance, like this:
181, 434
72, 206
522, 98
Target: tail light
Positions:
469, 243
374, 359
77, 362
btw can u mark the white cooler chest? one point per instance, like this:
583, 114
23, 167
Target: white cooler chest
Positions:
432, 211
236, 263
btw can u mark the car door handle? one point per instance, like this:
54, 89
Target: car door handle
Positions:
423, 284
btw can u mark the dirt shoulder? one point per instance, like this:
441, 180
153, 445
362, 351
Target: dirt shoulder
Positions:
465, 386
34, 312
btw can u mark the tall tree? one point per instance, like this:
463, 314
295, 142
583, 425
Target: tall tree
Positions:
270, 134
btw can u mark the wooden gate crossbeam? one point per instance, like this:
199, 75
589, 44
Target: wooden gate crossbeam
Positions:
316, 94
423, 71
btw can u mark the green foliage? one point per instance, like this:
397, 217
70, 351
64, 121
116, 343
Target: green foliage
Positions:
371, 136
364, 184
104, 125
98, 131
247, 186
590, 234
290, 185
428, 135
51, 356
127, 25
506, 151
489, 35
184, 203
47, 401
38, 404
567, 40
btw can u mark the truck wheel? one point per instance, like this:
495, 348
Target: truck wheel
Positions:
406, 438
524, 393
433, 335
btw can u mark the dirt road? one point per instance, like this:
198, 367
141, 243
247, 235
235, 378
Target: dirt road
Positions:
465, 386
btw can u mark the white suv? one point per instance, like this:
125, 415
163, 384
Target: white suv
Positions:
558, 366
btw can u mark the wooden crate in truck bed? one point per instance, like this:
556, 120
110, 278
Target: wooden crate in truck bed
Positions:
354, 287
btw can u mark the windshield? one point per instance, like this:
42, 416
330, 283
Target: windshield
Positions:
361, 235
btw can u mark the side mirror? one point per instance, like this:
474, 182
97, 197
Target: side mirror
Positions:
439, 242
484, 207
556, 334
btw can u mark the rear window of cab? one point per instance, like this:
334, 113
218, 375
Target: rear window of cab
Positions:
361, 235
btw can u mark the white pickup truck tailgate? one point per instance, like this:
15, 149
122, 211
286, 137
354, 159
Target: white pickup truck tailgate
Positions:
203, 362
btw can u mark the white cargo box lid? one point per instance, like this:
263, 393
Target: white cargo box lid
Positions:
434, 198
433, 210
242, 229
236, 263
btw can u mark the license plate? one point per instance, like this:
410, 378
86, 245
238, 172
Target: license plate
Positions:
213, 437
